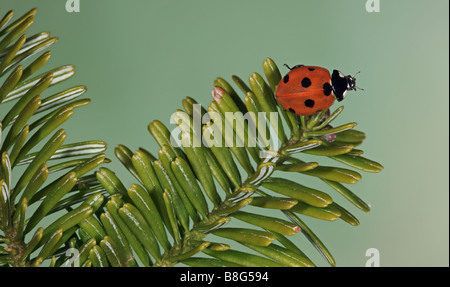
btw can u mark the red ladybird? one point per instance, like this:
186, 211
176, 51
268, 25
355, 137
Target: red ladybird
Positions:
308, 89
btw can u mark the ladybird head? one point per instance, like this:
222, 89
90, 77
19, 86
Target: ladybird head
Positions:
341, 84
351, 83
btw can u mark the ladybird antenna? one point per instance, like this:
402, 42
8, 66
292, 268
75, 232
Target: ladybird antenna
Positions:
361, 89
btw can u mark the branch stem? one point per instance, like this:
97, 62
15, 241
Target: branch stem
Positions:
16, 247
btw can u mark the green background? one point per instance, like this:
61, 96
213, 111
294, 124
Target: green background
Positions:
140, 58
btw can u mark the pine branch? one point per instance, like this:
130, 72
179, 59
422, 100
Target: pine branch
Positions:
176, 195
32, 142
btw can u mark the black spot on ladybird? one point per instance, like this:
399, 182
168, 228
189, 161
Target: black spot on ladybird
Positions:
309, 103
327, 88
286, 79
306, 82
311, 69
292, 110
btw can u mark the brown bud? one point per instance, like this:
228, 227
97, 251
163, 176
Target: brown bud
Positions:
217, 94
329, 137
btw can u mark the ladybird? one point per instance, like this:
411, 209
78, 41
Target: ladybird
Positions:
308, 89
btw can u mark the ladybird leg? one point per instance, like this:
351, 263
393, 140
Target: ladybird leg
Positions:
296, 66
286, 65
